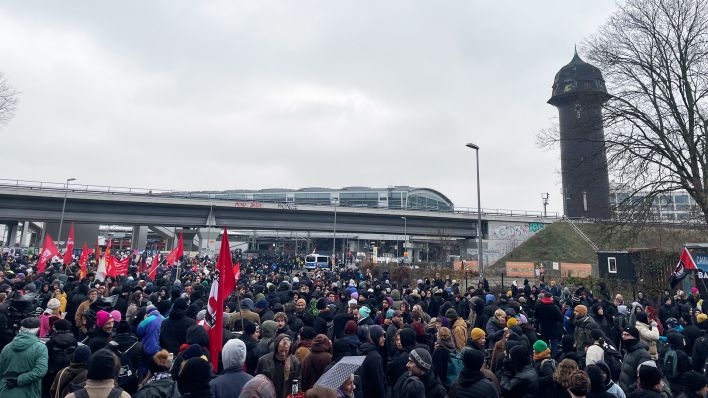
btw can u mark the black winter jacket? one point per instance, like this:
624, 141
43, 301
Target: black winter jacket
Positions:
472, 384
637, 353
371, 372
163, 388
521, 384
173, 331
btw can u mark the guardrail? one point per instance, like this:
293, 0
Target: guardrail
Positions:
113, 190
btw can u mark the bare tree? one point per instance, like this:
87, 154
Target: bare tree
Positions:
654, 57
8, 100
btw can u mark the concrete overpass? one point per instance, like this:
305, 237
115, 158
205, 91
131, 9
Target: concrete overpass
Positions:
141, 208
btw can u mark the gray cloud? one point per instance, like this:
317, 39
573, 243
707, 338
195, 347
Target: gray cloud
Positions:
222, 94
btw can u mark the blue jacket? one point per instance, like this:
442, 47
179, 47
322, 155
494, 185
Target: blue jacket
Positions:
149, 333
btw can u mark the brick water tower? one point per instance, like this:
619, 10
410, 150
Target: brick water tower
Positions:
578, 93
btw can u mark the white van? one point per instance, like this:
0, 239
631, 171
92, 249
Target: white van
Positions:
314, 261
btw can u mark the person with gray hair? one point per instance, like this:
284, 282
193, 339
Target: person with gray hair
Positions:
230, 383
23, 362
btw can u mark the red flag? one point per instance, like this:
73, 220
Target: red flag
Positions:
220, 289
685, 263
110, 267
171, 257
237, 271
69, 245
121, 266
180, 246
49, 250
153, 266
82, 261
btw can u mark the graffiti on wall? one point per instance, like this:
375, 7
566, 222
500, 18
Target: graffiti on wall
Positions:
516, 232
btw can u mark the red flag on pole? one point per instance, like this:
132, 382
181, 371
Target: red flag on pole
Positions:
49, 250
685, 263
180, 246
237, 271
82, 261
220, 289
68, 255
153, 266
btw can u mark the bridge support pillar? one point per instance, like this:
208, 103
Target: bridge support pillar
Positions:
26, 234
139, 237
12, 229
207, 238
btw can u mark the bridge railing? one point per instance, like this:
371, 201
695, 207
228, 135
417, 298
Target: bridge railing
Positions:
111, 189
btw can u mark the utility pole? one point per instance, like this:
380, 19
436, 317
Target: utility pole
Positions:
544, 197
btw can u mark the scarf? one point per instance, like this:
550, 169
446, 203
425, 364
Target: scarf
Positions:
286, 364
539, 356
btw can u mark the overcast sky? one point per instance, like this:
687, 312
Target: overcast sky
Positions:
258, 94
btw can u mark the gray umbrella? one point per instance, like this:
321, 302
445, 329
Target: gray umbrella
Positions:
340, 372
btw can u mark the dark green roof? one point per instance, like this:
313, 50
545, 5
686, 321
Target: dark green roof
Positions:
577, 77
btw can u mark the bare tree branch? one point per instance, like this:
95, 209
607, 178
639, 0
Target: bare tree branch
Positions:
8, 100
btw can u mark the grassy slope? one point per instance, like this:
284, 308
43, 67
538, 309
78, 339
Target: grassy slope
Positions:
560, 242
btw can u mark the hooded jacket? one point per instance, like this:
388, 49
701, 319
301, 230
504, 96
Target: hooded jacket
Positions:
173, 330
397, 366
372, 371
274, 368
26, 359
149, 332
549, 318
636, 354
472, 384
314, 365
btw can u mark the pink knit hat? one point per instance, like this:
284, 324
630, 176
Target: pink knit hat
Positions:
102, 317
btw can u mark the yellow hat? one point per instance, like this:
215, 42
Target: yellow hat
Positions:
477, 334
511, 322
701, 317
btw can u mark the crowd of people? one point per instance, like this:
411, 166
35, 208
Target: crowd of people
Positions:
286, 330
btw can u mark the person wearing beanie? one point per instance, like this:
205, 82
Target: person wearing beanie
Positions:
649, 383
246, 313
583, 324
518, 377
50, 314
314, 365
149, 331
72, 375
458, 328
280, 366
511, 322
550, 320
636, 354
544, 366
700, 318
61, 347
478, 339
173, 330
250, 337
194, 377
23, 362
419, 380
472, 383
103, 367
648, 333
696, 385
263, 311
230, 383
158, 382
324, 318
268, 334
364, 316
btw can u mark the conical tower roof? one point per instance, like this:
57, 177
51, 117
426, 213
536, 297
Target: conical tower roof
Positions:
575, 78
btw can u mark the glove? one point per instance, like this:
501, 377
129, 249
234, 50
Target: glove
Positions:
11, 383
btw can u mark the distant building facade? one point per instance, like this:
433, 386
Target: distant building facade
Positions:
398, 197
676, 206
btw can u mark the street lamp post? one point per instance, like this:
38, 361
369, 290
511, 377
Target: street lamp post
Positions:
334, 237
63, 206
405, 239
479, 215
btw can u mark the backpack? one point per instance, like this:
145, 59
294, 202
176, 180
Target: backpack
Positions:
670, 364
613, 359
454, 366
551, 361
82, 393
60, 357
128, 375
